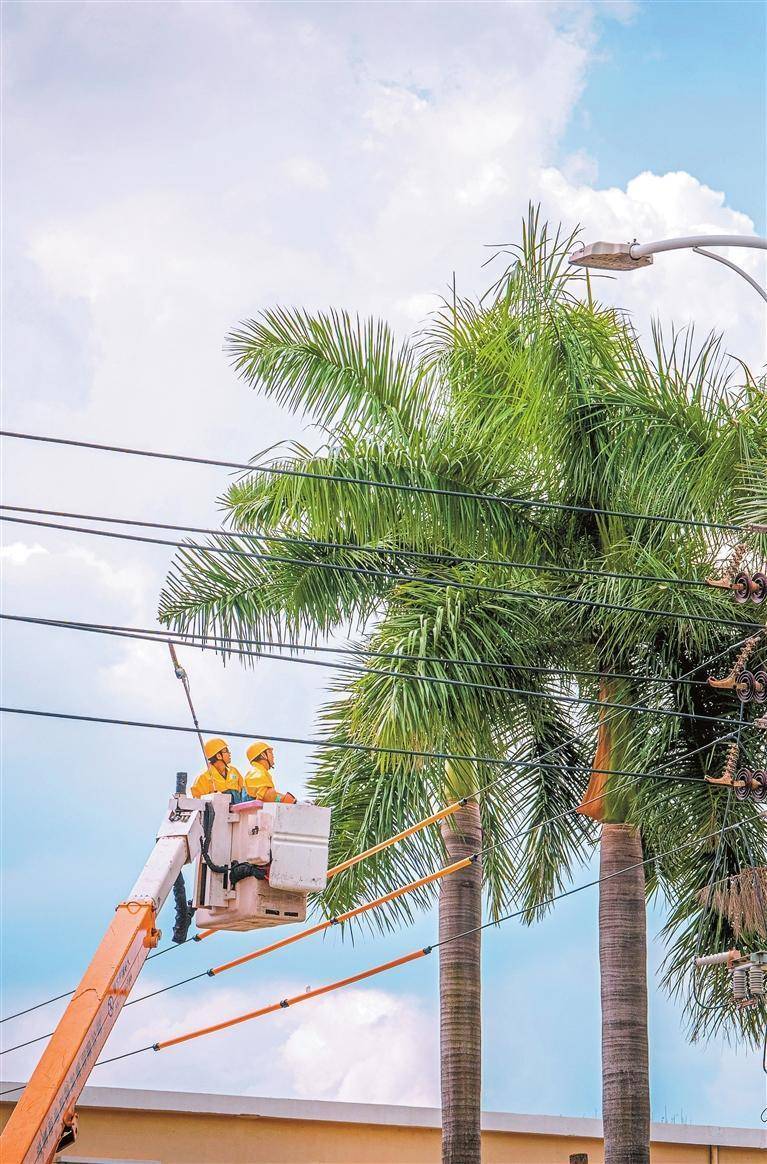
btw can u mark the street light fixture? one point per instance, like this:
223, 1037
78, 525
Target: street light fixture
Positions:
605, 256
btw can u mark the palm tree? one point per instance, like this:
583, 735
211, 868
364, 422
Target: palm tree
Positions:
531, 393
388, 415
617, 431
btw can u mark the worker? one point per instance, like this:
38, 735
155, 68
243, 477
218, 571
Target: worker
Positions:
221, 776
259, 784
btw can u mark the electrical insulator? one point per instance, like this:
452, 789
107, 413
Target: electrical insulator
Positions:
741, 587
758, 588
744, 783
745, 686
756, 980
740, 984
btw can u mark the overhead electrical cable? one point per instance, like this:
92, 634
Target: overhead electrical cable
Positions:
415, 954
720, 655
589, 884
359, 669
397, 486
372, 571
445, 558
342, 866
321, 926
367, 748
550, 752
223, 644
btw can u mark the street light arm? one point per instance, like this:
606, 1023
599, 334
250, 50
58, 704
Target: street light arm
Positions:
733, 267
641, 250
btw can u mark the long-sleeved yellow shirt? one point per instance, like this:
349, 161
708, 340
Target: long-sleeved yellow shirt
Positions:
259, 784
213, 781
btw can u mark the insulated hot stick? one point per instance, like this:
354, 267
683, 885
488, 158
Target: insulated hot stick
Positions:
182, 675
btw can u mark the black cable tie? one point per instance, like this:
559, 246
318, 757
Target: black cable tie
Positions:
474, 858
197, 937
210, 973
334, 921
464, 802
428, 949
284, 1003
155, 1046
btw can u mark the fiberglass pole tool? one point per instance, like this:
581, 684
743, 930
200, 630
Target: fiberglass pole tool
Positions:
182, 675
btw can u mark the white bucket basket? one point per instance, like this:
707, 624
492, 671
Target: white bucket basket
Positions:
290, 841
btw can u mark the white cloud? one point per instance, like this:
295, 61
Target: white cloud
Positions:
19, 553
580, 167
364, 1045
360, 1045
307, 173
680, 287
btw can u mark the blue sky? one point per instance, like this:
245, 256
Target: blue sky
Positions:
171, 168
681, 86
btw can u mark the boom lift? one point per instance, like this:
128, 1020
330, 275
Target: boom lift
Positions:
256, 864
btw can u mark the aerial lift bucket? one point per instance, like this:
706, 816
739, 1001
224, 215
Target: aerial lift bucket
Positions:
282, 850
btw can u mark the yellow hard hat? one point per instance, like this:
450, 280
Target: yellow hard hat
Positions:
256, 749
213, 747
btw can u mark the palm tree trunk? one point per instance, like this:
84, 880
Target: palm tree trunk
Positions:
623, 965
460, 909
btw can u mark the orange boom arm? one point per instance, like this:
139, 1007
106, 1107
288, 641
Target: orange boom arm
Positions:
44, 1118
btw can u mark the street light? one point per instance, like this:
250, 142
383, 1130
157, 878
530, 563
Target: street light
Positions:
605, 256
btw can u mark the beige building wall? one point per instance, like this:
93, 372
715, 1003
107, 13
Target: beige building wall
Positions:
156, 1127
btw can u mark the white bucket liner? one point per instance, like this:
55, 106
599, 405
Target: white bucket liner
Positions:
299, 845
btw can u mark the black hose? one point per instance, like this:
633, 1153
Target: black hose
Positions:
239, 870
184, 911
207, 825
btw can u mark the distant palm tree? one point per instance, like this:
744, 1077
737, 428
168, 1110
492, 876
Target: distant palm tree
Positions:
530, 394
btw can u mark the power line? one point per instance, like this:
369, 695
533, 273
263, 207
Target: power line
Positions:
415, 954
653, 773
343, 568
351, 668
347, 915
589, 884
345, 746
508, 763
222, 643
446, 559
462, 494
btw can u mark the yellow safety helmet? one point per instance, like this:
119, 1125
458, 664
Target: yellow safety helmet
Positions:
256, 749
213, 747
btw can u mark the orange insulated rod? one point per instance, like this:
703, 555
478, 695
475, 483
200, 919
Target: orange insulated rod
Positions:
243, 1018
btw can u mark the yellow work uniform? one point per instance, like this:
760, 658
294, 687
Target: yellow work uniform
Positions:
259, 784
213, 781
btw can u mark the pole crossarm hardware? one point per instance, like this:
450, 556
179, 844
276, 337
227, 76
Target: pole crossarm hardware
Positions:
608, 256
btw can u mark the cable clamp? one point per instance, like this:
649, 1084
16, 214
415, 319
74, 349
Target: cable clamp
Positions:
333, 921
284, 1003
464, 801
155, 1046
210, 973
427, 949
